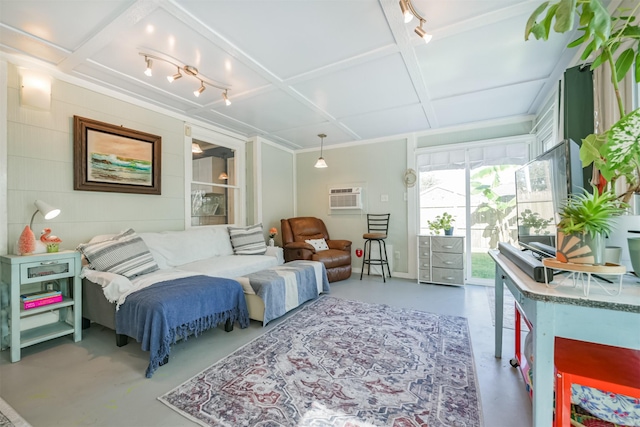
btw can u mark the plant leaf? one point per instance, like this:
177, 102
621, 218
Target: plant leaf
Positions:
549, 18
600, 25
578, 41
531, 23
638, 67
624, 63
565, 15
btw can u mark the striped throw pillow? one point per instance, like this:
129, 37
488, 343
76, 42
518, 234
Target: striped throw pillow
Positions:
248, 240
125, 254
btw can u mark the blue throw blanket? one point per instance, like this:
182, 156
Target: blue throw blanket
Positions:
280, 295
160, 314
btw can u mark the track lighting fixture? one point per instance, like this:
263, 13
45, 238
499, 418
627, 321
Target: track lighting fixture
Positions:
149, 62
408, 11
189, 71
321, 163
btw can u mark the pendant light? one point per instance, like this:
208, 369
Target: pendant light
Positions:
321, 163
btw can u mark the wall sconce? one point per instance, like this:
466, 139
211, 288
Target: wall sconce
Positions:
35, 89
195, 148
48, 211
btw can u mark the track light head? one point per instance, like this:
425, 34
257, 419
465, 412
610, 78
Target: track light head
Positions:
176, 76
201, 89
148, 71
422, 33
406, 12
226, 98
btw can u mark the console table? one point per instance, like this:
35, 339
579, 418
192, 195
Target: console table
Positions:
564, 312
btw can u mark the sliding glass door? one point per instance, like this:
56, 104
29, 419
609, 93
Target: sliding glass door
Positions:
476, 184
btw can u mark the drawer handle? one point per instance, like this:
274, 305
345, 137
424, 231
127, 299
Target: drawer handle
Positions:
49, 263
448, 247
448, 262
448, 278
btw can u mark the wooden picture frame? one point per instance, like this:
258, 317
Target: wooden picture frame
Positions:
115, 159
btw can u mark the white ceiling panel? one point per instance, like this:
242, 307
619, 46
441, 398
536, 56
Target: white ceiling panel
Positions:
362, 88
271, 111
351, 69
388, 122
507, 101
496, 56
12, 41
293, 37
64, 23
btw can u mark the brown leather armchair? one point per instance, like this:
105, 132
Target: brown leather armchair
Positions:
337, 259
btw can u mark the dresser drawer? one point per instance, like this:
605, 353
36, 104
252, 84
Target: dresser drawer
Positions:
424, 275
447, 244
446, 260
447, 275
424, 243
424, 264
38, 271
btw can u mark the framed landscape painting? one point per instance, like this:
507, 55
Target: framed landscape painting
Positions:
115, 159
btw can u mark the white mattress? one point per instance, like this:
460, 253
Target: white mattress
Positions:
230, 266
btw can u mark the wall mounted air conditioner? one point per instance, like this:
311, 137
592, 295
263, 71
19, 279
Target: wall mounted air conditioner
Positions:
345, 198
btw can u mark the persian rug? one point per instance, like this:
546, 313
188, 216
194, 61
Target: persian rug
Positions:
9, 417
342, 363
509, 314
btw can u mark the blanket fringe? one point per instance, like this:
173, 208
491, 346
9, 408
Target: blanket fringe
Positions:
195, 328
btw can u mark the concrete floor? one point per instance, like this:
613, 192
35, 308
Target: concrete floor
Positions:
95, 383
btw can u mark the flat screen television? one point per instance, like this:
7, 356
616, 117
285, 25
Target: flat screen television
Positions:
542, 186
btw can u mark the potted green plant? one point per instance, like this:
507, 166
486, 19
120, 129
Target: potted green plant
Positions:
609, 38
442, 222
585, 220
532, 221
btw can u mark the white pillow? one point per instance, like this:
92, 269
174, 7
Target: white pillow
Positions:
318, 244
125, 254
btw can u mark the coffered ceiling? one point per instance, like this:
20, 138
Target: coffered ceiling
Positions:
351, 69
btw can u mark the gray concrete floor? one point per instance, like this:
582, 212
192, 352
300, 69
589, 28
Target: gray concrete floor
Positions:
95, 383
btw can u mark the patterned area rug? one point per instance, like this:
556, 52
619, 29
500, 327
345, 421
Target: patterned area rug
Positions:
342, 363
9, 417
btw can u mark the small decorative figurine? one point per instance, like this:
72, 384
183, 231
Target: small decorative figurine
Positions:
52, 242
26, 242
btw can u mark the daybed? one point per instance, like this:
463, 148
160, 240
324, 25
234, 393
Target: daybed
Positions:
182, 271
187, 275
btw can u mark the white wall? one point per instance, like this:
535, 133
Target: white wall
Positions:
40, 166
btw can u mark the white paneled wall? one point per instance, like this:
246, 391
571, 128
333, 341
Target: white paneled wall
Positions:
40, 166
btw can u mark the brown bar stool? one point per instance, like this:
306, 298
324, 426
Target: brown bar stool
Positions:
378, 227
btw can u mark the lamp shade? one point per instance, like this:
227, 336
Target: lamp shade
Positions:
47, 211
321, 163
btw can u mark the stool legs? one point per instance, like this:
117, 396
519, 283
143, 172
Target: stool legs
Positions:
384, 260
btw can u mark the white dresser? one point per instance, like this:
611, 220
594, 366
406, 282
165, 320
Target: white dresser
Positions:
441, 259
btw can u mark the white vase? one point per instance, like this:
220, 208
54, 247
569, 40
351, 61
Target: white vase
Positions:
272, 243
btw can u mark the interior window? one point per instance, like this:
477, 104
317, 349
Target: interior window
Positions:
214, 184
